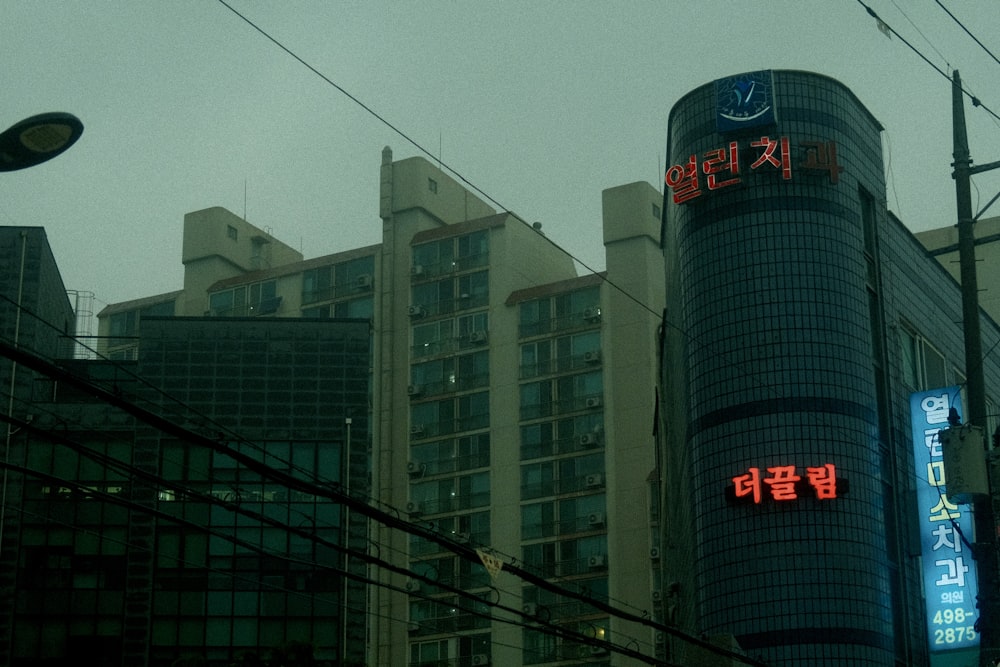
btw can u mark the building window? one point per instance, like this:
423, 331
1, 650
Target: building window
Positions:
870, 231
232, 232
569, 393
452, 294
451, 494
361, 308
565, 436
568, 475
452, 373
338, 280
565, 311
432, 185
124, 324
246, 300
473, 528
470, 412
449, 255
565, 558
448, 456
561, 354
923, 366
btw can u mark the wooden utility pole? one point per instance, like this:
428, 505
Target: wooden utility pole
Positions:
985, 547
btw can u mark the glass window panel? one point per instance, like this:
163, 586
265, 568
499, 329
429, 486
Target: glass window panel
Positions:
935, 368
361, 308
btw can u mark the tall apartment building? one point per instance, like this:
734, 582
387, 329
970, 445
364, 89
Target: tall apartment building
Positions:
512, 409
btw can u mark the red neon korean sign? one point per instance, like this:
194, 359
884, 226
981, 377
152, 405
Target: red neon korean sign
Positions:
721, 167
783, 483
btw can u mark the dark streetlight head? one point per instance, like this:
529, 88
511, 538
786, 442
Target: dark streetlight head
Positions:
37, 139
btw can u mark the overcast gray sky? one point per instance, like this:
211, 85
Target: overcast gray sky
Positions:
540, 104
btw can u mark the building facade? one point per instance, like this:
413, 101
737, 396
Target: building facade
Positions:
174, 507
942, 243
35, 313
801, 316
511, 411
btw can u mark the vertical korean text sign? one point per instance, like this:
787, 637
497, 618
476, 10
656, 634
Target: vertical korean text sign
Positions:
949, 572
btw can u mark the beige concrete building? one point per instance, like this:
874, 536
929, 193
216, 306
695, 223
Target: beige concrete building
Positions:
942, 244
512, 408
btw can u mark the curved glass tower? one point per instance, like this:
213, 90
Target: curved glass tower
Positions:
772, 185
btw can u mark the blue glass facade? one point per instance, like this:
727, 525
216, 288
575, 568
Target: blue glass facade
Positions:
778, 286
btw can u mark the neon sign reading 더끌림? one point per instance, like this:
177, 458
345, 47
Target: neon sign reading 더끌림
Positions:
782, 483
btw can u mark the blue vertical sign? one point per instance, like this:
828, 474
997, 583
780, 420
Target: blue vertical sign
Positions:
949, 570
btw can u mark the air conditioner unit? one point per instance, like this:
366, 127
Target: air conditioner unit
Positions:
592, 314
415, 468
417, 429
597, 560
530, 608
412, 586
364, 280
592, 357
593, 402
416, 311
589, 439
654, 553
416, 270
415, 508
414, 390
463, 538
595, 519
592, 481
598, 650
477, 337
480, 659
657, 596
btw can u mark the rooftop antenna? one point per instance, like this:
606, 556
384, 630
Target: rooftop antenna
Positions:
244, 200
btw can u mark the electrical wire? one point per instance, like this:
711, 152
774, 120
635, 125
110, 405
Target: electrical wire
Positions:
975, 100
235, 438
967, 32
83, 491
425, 151
336, 493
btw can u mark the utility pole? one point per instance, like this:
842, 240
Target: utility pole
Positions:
985, 547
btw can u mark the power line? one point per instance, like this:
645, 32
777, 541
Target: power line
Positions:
534, 621
334, 492
428, 153
967, 32
975, 100
458, 175
238, 439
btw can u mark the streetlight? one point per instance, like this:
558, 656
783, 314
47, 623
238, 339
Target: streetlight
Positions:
37, 139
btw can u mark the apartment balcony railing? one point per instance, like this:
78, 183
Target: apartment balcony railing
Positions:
449, 426
561, 364
589, 317
561, 406
420, 272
